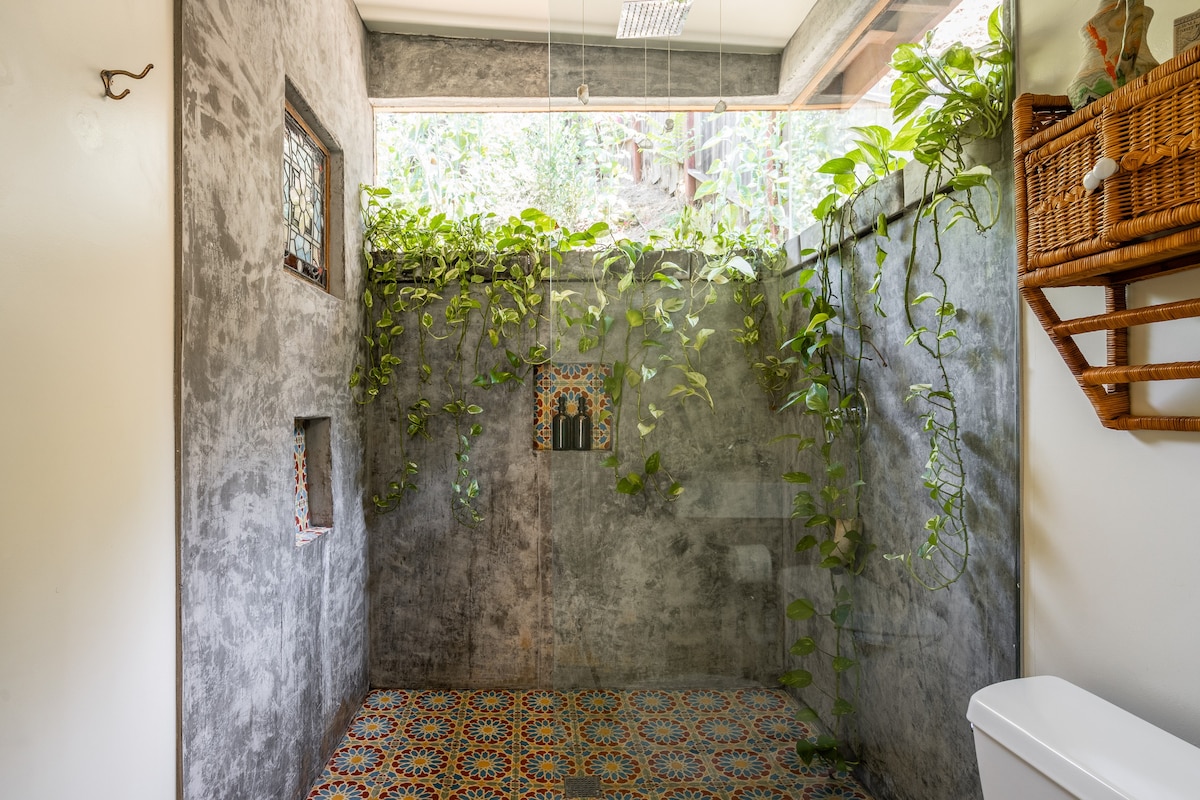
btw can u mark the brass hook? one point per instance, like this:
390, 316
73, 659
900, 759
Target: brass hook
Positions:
106, 75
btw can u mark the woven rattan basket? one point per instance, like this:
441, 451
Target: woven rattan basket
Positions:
1142, 222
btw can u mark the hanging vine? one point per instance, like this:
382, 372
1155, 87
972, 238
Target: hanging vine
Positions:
941, 103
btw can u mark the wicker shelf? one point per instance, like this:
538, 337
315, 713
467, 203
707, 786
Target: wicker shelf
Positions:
1143, 222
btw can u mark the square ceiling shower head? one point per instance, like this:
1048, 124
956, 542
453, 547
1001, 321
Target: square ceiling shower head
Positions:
646, 19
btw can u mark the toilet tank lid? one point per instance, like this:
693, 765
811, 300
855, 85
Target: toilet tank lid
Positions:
1087, 745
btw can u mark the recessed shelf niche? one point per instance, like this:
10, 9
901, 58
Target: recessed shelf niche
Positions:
312, 460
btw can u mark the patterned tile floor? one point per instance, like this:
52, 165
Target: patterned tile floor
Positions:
695, 744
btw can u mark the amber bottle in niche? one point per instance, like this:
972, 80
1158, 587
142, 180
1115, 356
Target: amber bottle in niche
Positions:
562, 435
583, 426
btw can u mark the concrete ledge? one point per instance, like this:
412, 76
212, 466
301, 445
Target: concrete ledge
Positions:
893, 196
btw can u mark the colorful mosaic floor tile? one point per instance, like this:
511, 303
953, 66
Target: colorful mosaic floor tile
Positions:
646, 744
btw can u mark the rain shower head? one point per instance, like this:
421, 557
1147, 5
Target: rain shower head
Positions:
645, 19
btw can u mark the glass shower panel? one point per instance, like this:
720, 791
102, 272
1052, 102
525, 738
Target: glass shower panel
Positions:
668, 536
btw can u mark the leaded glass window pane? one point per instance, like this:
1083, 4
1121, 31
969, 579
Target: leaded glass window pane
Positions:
305, 196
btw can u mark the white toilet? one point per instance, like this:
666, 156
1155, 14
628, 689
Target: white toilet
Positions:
1045, 739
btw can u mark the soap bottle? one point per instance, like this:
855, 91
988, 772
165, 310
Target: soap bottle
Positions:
561, 435
583, 426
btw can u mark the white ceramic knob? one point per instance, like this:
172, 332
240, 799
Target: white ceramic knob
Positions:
1105, 168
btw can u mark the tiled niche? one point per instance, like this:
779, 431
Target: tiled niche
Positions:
313, 472
582, 388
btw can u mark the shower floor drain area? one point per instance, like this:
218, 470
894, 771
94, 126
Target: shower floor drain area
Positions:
586, 744
588, 786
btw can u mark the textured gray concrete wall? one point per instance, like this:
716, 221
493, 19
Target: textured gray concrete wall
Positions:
683, 593
567, 583
273, 637
416, 70
924, 653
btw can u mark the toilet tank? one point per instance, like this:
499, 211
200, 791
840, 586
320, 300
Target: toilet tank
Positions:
1043, 738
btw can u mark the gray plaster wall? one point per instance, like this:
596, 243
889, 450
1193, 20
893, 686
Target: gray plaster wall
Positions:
923, 653
567, 583
407, 70
650, 593
273, 637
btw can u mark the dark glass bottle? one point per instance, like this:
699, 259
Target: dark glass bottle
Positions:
583, 426
562, 437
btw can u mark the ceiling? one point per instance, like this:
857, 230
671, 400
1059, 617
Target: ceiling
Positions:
742, 25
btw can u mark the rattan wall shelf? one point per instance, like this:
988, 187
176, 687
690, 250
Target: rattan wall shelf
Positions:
1142, 222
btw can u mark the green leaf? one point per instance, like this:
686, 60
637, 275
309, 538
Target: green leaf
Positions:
804, 646
817, 398
970, 178
796, 678
837, 166
800, 609
906, 58
808, 714
630, 484
842, 663
635, 317
995, 32
797, 477
652, 463
806, 543
827, 204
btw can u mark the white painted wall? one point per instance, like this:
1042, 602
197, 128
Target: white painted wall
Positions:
87, 475
1111, 519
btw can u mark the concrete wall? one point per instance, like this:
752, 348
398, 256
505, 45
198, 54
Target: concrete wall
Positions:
438, 72
923, 653
87, 546
1108, 517
273, 636
567, 583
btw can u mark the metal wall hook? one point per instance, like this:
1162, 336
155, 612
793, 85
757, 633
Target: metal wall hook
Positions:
106, 75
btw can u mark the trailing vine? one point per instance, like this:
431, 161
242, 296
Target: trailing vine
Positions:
480, 284
941, 103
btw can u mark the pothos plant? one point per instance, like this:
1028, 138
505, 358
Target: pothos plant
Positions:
475, 269
480, 284
941, 102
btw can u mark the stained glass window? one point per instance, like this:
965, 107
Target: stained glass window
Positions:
305, 197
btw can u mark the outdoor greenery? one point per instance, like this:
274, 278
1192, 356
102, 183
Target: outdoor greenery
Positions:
448, 260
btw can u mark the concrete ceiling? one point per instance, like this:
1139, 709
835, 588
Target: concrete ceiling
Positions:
750, 53
741, 25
